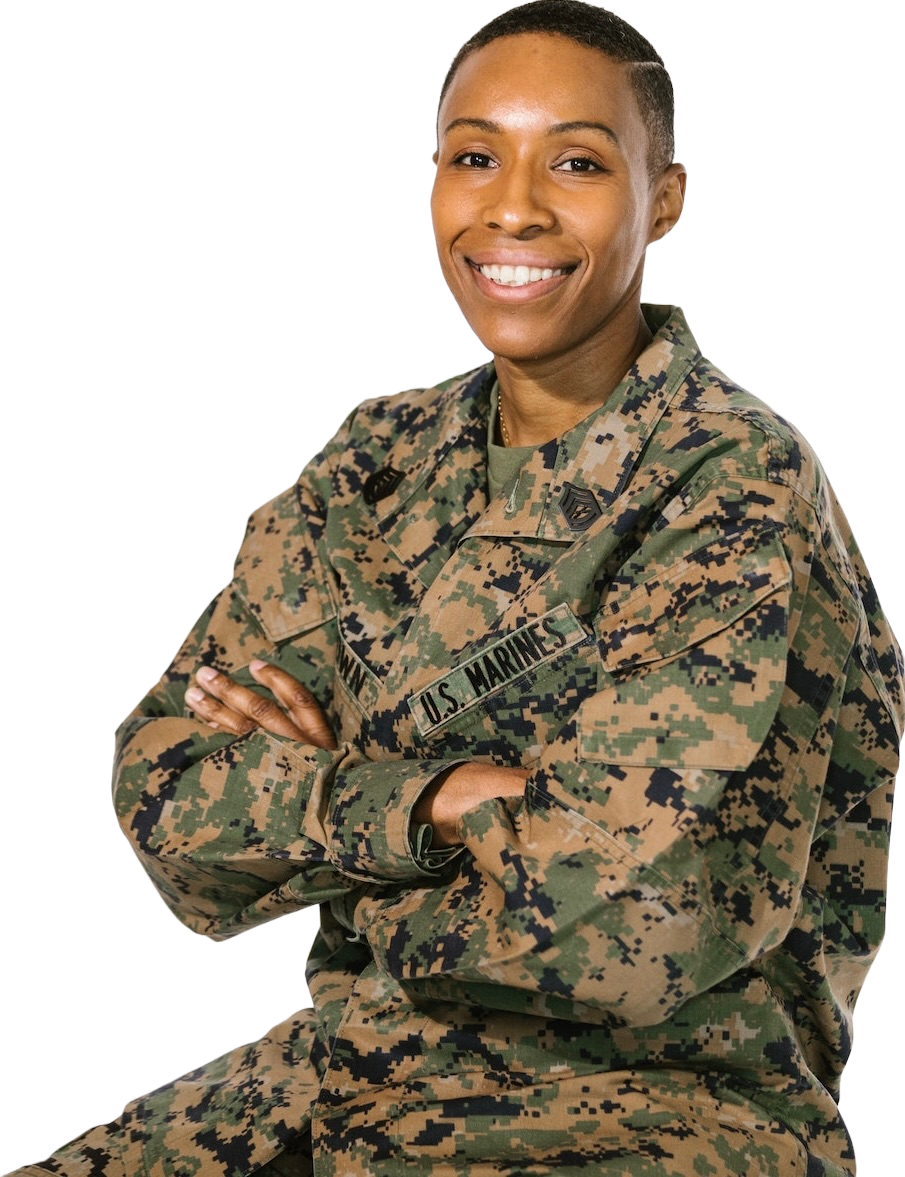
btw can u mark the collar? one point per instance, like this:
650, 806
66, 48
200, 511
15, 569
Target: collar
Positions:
440, 453
596, 457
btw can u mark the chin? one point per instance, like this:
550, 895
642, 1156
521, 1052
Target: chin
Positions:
517, 346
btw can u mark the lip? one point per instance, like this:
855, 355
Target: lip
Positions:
517, 294
507, 257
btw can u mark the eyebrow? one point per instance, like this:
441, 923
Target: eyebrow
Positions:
491, 128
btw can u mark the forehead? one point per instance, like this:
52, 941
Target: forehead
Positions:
539, 75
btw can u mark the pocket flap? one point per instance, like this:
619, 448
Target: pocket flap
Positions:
278, 574
696, 659
695, 597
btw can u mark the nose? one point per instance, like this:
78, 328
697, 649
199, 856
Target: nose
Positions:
517, 202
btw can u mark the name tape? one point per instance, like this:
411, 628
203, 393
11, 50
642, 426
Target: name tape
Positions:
499, 664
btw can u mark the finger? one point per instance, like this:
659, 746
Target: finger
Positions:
298, 701
216, 714
244, 702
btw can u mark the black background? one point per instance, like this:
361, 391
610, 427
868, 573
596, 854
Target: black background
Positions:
260, 258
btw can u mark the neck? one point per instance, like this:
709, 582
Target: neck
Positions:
543, 399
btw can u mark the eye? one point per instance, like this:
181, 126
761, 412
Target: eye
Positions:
474, 159
579, 165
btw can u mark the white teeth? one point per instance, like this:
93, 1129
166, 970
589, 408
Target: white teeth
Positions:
517, 275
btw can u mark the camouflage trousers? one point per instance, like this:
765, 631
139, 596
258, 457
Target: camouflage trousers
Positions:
250, 1112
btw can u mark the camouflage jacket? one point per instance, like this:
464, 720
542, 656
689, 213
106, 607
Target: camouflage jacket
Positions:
650, 960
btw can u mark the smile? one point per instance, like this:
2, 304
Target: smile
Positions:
518, 275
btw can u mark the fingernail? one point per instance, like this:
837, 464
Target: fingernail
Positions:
193, 696
206, 674
257, 664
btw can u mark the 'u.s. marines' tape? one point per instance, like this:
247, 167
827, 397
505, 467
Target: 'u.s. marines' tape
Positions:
494, 667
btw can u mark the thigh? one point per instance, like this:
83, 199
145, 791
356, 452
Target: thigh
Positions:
236, 1115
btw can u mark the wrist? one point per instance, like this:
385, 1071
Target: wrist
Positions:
464, 787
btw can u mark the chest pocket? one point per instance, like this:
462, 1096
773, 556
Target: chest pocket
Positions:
694, 660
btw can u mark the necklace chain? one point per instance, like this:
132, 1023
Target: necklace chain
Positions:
503, 430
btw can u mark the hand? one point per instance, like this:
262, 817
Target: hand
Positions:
465, 787
225, 705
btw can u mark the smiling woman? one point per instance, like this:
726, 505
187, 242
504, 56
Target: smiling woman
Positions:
552, 177
559, 690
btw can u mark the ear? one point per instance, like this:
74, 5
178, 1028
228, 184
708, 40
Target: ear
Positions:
668, 197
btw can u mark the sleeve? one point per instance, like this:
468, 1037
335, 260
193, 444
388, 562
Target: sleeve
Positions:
360, 810
215, 819
665, 834
229, 828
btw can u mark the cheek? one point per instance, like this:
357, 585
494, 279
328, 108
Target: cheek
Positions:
435, 216
621, 241
446, 207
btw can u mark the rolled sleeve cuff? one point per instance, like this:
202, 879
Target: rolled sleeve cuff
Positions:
361, 811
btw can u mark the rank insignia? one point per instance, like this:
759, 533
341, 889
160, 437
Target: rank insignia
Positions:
580, 507
380, 484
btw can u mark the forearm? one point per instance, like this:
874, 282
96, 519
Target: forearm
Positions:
462, 788
394, 821
215, 821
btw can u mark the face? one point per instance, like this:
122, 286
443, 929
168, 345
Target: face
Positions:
542, 204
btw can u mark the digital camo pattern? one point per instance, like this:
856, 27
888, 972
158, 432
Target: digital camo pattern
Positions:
648, 964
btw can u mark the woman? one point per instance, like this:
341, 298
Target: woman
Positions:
579, 714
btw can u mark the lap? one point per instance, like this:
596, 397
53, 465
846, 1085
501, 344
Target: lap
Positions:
248, 1111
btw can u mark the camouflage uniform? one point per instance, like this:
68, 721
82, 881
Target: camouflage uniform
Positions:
648, 964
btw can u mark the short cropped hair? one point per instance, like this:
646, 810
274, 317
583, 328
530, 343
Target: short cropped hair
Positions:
586, 24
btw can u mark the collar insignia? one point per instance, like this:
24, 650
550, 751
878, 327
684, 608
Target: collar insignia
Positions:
580, 507
380, 484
